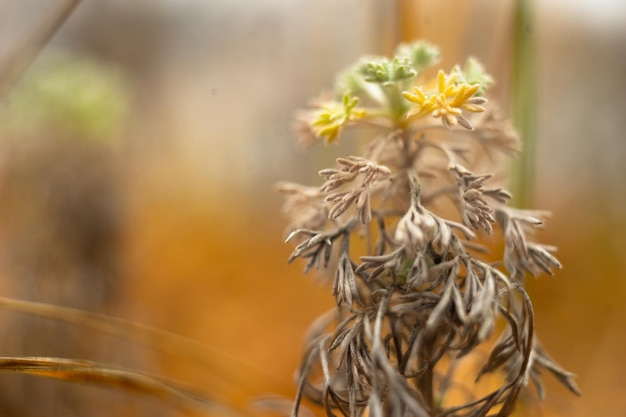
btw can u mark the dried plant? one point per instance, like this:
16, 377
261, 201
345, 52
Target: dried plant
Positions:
401, 231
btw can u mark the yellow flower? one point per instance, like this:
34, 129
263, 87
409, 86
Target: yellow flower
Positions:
447, 103
329, 120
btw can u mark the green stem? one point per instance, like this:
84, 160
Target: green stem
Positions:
397, 103
524, 104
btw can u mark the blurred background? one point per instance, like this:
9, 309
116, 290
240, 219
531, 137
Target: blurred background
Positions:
139, 148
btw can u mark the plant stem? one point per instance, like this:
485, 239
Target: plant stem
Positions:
23, 55
397, 104
426, 369
524, 104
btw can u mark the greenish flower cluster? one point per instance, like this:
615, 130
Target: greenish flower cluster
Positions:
69, 95
392, 93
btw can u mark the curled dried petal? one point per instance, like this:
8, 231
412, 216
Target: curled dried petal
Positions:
415, 230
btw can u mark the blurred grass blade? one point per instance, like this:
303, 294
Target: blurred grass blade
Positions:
82, 371
218, 362
524, 103
23, 54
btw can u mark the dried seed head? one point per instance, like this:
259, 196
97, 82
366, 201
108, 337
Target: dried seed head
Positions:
344, 287
520, 255
352, 167
415, 230
303, 206
475, 211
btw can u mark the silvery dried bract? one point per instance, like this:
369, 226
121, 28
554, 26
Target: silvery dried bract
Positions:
414, 287
344, 287
302, 205
415, 230
475, 211
520, 254
352, 168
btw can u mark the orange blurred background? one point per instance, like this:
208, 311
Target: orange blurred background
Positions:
163, 211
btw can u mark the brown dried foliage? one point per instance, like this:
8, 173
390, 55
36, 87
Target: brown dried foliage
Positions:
419, 293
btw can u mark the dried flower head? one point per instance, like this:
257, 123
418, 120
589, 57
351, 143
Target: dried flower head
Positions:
352, 167
416, 229
419, 294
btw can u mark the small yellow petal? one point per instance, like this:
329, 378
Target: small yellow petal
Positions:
330, 132
409, 96
416, 113
472, 90
473, 108
451, 91
467, 92
451, 79
417, 96
459, 97
441, 78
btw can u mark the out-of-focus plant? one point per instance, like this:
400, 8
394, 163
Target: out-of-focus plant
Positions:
401, 230
68, 95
